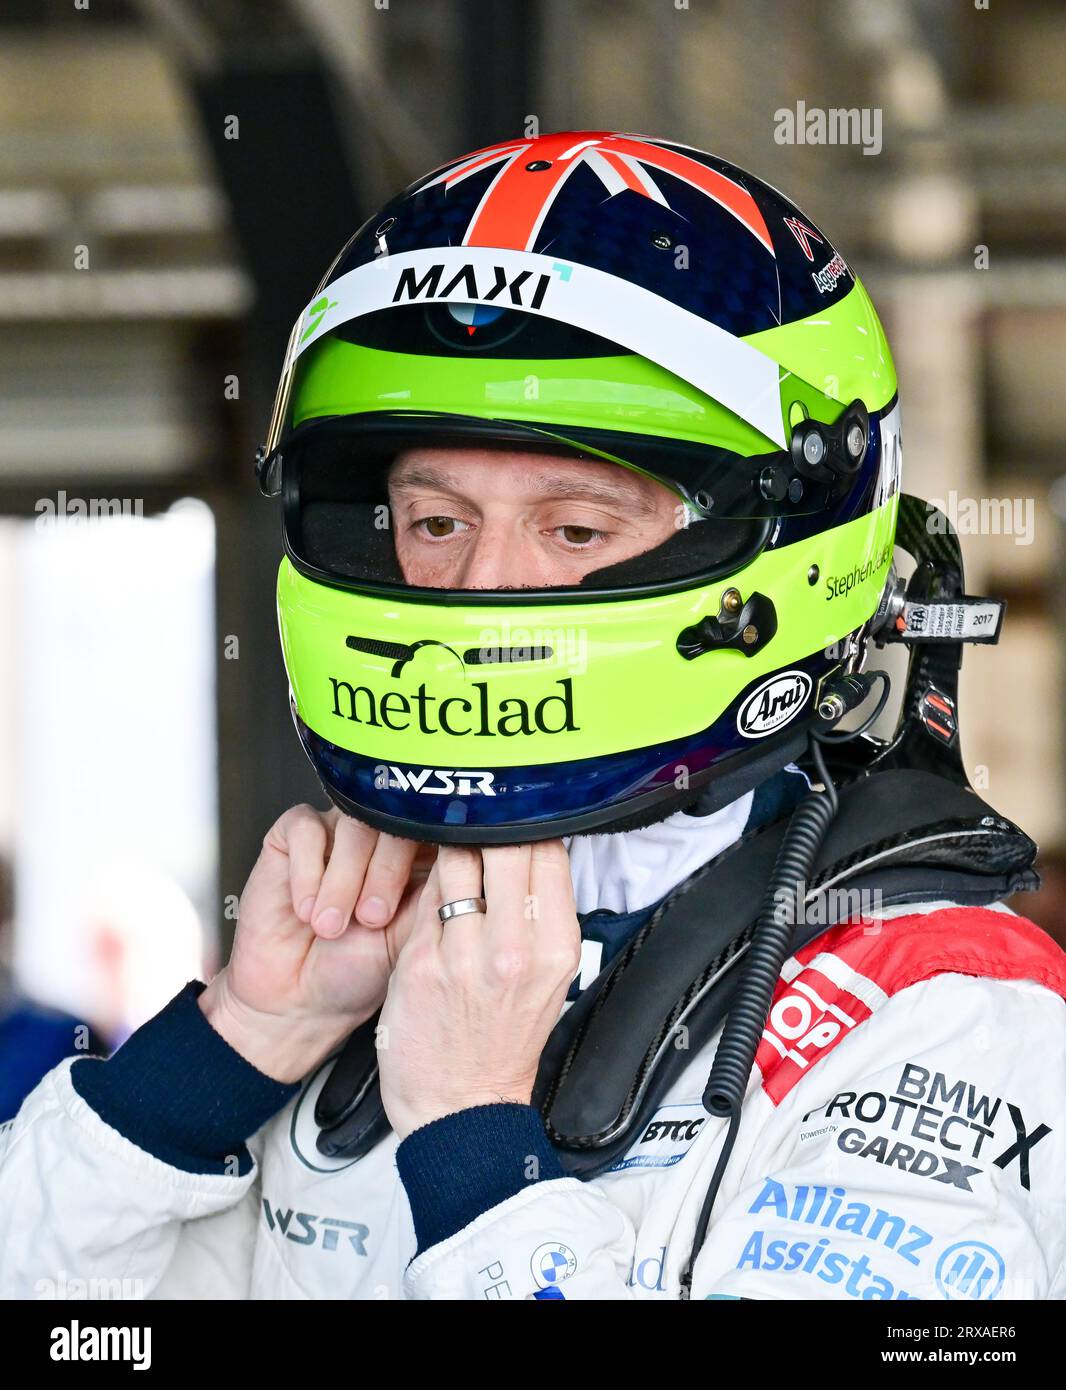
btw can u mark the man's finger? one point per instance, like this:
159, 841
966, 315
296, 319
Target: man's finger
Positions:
426, 927
303, 837
507, 888
551, 893
459, 872
386, 877
460, 875
353, 844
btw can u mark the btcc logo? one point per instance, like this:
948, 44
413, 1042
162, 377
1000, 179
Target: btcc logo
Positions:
666, 1138
439, 781
677, 1130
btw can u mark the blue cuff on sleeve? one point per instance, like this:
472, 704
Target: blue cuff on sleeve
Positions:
176, 1089
461, 1165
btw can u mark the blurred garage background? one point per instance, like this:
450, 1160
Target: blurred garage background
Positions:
175, 175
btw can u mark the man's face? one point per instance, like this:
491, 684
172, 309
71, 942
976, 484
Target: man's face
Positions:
510, 519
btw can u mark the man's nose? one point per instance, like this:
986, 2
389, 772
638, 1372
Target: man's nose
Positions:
498, 559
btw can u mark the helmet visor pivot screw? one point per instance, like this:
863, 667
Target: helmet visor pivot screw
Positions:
813, 447
773, 483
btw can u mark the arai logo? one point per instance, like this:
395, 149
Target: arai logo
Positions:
773, 703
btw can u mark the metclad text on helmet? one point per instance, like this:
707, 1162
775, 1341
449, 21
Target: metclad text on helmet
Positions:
455, 715
840, 585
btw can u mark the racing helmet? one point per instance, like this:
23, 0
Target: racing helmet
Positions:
615, 299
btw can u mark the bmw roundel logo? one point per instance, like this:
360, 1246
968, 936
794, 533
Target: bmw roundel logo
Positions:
473, 327
474, 315
551, 1264
773, 703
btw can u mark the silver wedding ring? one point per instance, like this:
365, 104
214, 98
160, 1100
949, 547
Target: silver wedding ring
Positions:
460, 908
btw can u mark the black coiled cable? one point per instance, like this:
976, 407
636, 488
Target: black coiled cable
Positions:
770, 944
769, 949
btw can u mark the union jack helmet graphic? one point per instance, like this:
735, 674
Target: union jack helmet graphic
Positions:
617, 299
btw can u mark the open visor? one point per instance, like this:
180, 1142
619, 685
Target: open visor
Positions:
341, 527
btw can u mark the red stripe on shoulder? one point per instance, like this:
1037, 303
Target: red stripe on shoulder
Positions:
961, 940
862, 964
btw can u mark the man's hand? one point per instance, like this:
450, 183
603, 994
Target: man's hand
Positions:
322, 918
471, 1001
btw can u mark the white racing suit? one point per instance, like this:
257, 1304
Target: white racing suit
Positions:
903, 1136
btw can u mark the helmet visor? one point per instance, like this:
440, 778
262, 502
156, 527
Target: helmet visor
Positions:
411, 503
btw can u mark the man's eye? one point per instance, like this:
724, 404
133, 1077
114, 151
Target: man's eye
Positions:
439, 525
579, 535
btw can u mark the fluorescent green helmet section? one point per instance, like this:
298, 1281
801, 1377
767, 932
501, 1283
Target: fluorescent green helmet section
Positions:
483, 716
614, 675
827, 360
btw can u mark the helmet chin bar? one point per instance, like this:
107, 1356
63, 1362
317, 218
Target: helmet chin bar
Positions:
706, 793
